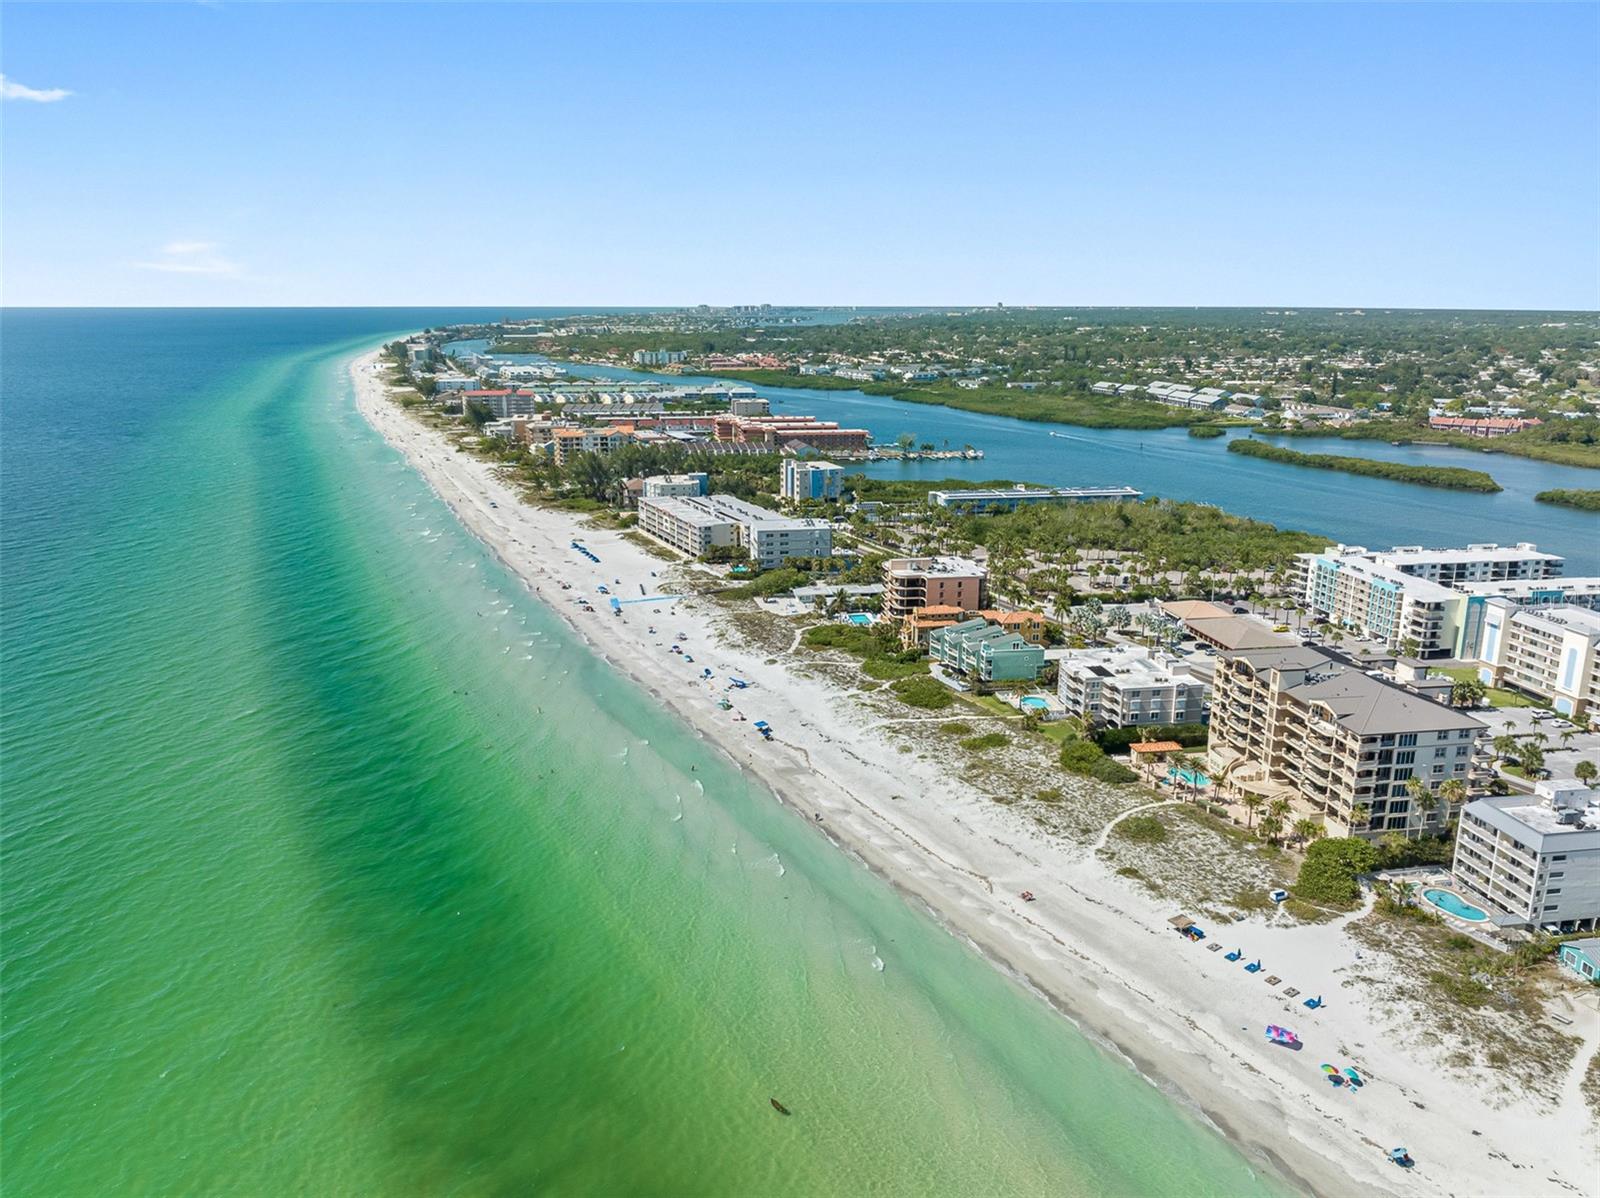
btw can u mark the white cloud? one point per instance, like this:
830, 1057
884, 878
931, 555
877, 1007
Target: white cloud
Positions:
193, 258
12, 90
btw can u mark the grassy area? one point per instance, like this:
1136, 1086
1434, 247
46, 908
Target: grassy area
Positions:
1496, 696
925, 692
989, 740
1584, 501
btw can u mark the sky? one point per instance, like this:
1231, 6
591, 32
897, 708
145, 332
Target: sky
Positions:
1372, 155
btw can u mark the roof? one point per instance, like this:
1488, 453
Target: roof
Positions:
1155, 746
1193, 609
1236, 632
1358, 701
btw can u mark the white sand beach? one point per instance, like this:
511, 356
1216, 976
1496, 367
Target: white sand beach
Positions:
1094, 945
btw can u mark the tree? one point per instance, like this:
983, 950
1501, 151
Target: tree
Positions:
1504, 746
1307, 829
1531, 756
1453, 791
1330, 870
1360, 815
1252, 803
1585, 772
1467, 692
1271, 826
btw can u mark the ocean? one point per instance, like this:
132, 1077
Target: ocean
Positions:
331, 863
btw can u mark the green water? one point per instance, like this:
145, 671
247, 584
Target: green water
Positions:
331, 865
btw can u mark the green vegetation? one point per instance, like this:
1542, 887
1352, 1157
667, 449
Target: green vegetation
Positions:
1083, 757
1141, 829
1081, 409
1206, 432
956, 728
1453, 477
925, 692
1329, 872
989, 740
1117, 740
1584, 501
1466, 679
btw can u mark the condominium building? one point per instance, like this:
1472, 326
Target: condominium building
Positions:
752, 405
695, 525
687, 525
501, 403
657, 357
1533, 861
1552, 653
1006, 499
986, 652
1126, 685
1411, 595
805, 480
1315, 728
1523, 593
570, 442
775, 432
914, 582
676, 486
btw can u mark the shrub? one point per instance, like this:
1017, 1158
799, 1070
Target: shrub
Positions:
956, 728
1329, 872
989, 740
1141, 829
1084, 757
923, 692
1048, 795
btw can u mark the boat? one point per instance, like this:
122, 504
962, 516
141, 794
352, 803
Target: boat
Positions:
779, 1107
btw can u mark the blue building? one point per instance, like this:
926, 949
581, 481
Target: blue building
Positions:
803, 480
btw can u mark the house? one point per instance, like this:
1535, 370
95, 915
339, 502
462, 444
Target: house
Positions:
1582, 957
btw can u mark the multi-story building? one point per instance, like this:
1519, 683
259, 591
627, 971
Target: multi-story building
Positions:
697, 524
676, 486
1340, 743
1411, 596
1125, 685
502, 403
805, 480
688, 525
570, 442
986, 652
1522, 593
1007, 499
657, 357
775, 432
1552, 653
916, 582
1487, 426
1533, 861
752, 405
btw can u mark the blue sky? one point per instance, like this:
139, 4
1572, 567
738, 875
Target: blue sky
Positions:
1431, 155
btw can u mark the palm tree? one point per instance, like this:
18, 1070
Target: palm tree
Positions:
1252, 803
1188, 768
1504, 745
1360, 815
1306, 829
1453, 791
1585, 772
1566, 736
1532, 757
1271, 827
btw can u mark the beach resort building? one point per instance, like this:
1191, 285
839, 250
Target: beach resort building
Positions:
1006, 499
1337, 741
1551, 653
775, 432
1412, 594
986, 652
695, 525
1125, 685
568, 443
750, 405
657, 357
806, 480
1533, 861
911, 583
676, 486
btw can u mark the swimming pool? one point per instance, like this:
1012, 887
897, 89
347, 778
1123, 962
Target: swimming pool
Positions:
860, 617
1453, 904
1188, 777
1033, 703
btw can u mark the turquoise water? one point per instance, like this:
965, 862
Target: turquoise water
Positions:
330, 864
1188, 777
860, 618
1033, 701
1453, 904
1168, 462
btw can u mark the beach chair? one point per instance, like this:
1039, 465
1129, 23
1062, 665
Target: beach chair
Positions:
1236, 954
1273, 981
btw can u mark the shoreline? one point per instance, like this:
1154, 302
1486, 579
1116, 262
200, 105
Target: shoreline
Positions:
1158, 1002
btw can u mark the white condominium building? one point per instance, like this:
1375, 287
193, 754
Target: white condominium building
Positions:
1552, 653
697, 524
1124, 685
669, 486
1420, 597
1339, 743
1533, 861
